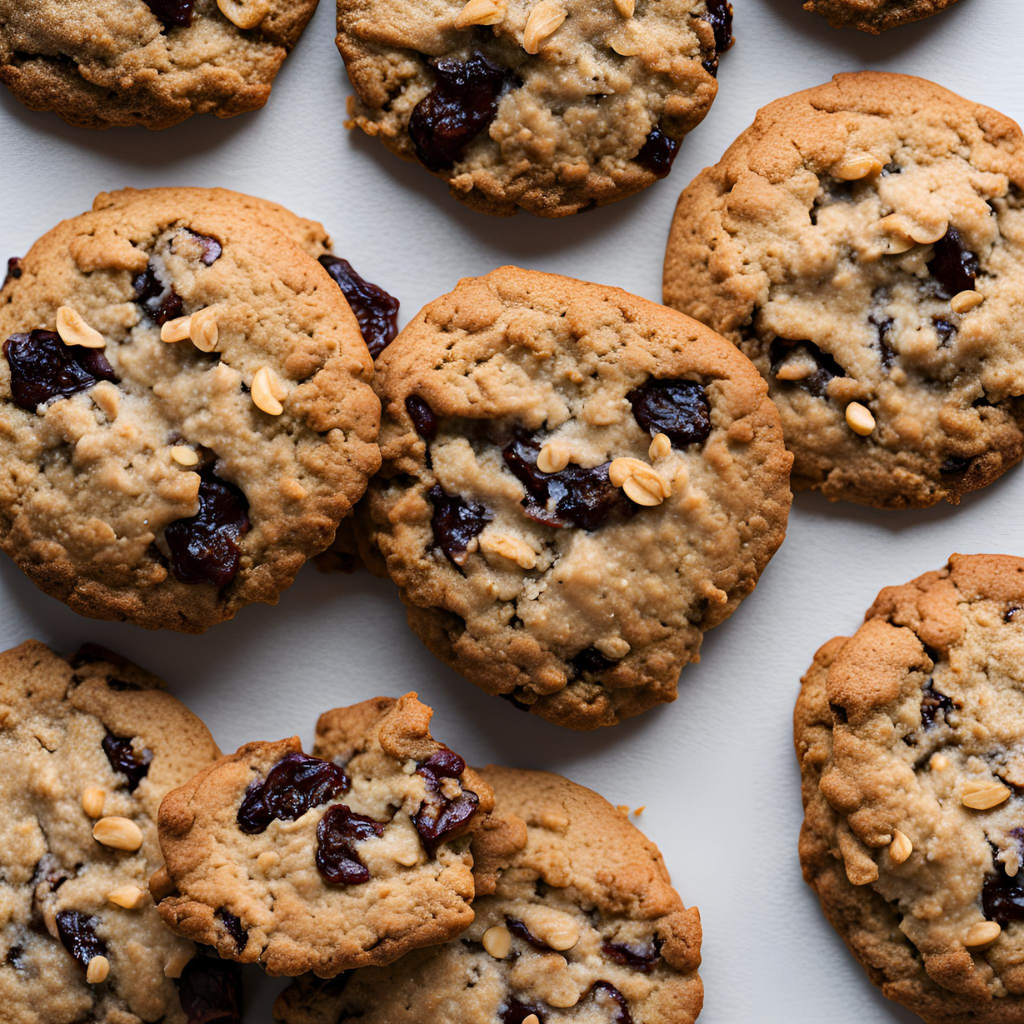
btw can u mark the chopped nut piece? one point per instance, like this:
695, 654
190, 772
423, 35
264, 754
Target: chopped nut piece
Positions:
860, 419
98, 970
543, 22
512, 548
73, 330
560, 935
625, 7
244, 14
267, 391
938, 763
93, 800
621, 470
856, 167
498, 942
532, 1019
982, 794
128, 896
203, 330
623, 809
964, 302
641, 491
176, 330
661, 447
118, 833
184, 456
926, 236
640, 810
901, 847
982, 934
794, 371
613, 647
553, 457
481, 12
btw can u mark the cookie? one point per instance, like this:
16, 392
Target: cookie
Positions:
88, 748
553, 106
863, 244
875, 16
577, 483
185, 407
322, 863
910, 737
583, 925
146, 62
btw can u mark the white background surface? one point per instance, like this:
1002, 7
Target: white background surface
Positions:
716, 769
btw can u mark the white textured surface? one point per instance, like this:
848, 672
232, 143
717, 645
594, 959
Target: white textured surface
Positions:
715, 770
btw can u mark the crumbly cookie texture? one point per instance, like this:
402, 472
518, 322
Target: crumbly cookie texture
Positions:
146, 62
88, 748
552, 106
185, 407
875, 16
910, 737
349, 857
577, 484
583, 927
863, 243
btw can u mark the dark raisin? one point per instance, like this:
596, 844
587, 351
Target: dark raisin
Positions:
883, 325
826, 366
295, 784
44, 368
455, 523
16, 958
640, 958
607, 994
233, 926
204, 548
77, 934
945, 330
49, 873
440, 817
422, 416
172, 12
338, 832
375, 309
210, 991
719, 16
955, 464
159, 302
678, 408
1002, 898
1011, 614
123, 759
13, 269
514, 1012
953, 266
933, 704
461, 105
590, 659
209, 249
517, 928
658, 153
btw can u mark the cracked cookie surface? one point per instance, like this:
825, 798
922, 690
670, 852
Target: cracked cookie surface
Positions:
875, 16
322, 863
551, 106
582, 926
171, 482
910, 737
863, 243
93, 743
100, 63
577, 483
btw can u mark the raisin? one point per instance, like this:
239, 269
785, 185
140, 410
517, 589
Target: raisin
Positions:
719, 17
678, 408
44, 368
1011, 614
953, 266
640, 958
172, 12
955, 464
590, 659
461, 105
422, 416
934, 703
209, 249
883, 325
455, 523
517, 928
514, 1012
123, 759
1002, 898
945, 330
13, 269
16, 958
210, 991
375, 309
441, 817
658, 153
338, 832
295, 784
605, 992
77, 934
159, 302
233, 926
826, 366
204, 548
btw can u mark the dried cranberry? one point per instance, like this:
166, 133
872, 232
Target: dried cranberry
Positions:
719, 16
172, 12
440, 817
455, 523
13, 269
338, 832
210, 991
1002, 898
461, 105
375, 309
44, 368
295, 784
161, 303
233, 926
517, 928
204, 548
678, 408
422, 416
658, 153
123, 759
210, 250
934, 703
78, 936
605, 992
817, 382
590, 659
955, 464
514, 1012
640, 958
953, 266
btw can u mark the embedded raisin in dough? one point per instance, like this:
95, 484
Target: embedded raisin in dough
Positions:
87, 740
576, 923
910, 737
576, 485
875, 16
350, 856
146, 62
863, 243
171, 482
552, 106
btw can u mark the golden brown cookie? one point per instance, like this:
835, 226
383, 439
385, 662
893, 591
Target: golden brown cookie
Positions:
875, 16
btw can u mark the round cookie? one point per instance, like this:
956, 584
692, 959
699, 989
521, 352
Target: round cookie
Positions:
583, 925
100, 63
910, 737
875, 16
88, 748
577, 483
552, 106
863, 244
322, 863
170, 482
